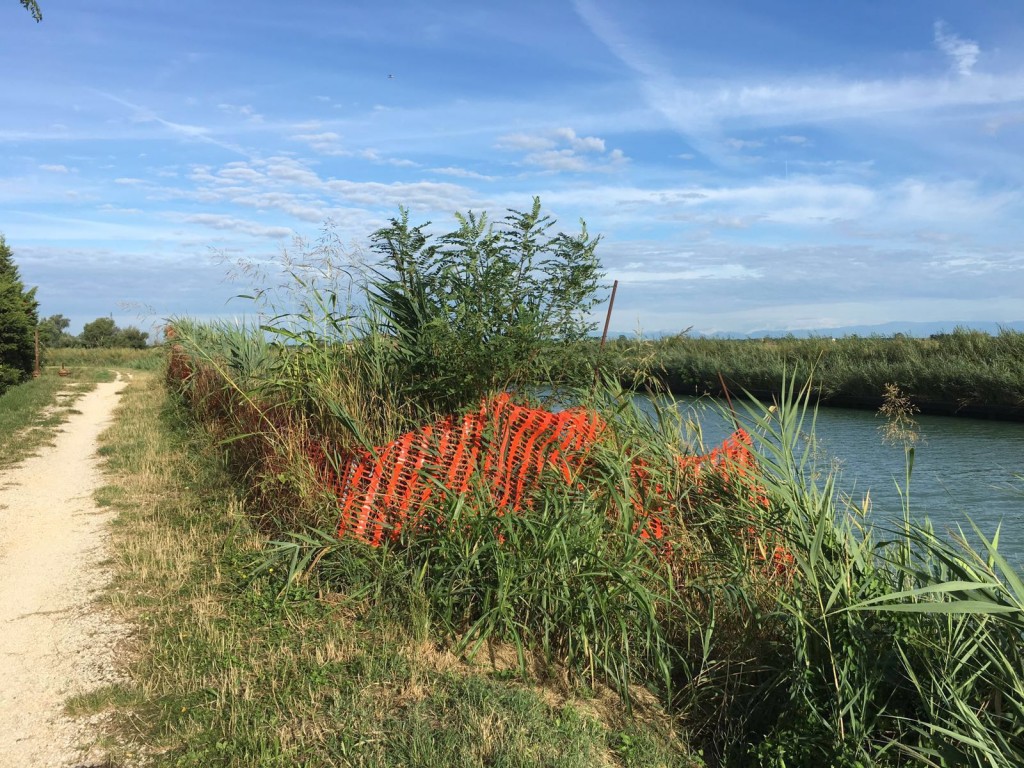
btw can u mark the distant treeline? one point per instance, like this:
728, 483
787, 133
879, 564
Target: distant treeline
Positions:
101, 333
965, 372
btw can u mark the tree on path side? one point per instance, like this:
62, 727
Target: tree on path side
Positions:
18, 320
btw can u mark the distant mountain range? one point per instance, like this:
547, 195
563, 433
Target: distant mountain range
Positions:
890, 329
908, 328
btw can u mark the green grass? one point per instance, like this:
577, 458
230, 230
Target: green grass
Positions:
232, 669
31, 412
149, 359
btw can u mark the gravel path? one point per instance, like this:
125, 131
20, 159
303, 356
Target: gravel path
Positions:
55, 641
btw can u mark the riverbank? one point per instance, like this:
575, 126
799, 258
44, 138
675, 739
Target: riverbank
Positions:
736, 591
964, 373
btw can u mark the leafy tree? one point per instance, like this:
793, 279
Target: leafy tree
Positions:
132, 338
53, 332
18, 319
484, 308
103, 332
33, 7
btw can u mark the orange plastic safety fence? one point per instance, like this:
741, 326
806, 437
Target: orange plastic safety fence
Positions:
508, 446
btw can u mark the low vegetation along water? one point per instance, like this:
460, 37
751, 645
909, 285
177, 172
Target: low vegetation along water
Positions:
962, 467
965, 372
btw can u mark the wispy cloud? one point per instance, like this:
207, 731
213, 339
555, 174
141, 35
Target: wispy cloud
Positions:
324, 143
743, 143
964, 53
219, 221
244, 111
696, 105
140, 114
463, 173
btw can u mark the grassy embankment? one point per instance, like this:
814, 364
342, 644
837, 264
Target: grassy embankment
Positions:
291, 646
965, 372
235, 669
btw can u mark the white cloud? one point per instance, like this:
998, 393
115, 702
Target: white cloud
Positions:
223, 222
239, 173
291, 170
144, 115
244, 111
964, 53
524, 142
325, 143
374, 156
313, 211
54, 168
996, 124
717, 272
949, 204
108, 208
563, 150
580, 143
703, 108
462, 173
743, 143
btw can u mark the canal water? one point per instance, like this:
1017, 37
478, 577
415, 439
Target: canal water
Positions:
962, 467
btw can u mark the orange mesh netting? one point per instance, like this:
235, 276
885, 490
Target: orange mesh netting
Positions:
510, 446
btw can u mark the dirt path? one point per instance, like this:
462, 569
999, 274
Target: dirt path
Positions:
54, 641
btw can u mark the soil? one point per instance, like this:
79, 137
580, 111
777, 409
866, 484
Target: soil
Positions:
56, 640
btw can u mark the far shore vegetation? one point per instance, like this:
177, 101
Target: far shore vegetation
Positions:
964, 372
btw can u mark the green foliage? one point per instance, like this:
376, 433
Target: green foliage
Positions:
53, 332
104, 332
30, 413
236, 669
132, 338
483, 308
32, 6
18, 318
101, 332
945, 373
105, 358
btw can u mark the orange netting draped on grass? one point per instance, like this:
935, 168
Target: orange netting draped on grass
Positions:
510, 447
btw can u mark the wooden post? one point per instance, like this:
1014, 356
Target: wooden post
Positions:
604, 335
608, 317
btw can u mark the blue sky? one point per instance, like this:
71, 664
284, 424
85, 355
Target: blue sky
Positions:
750, 165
